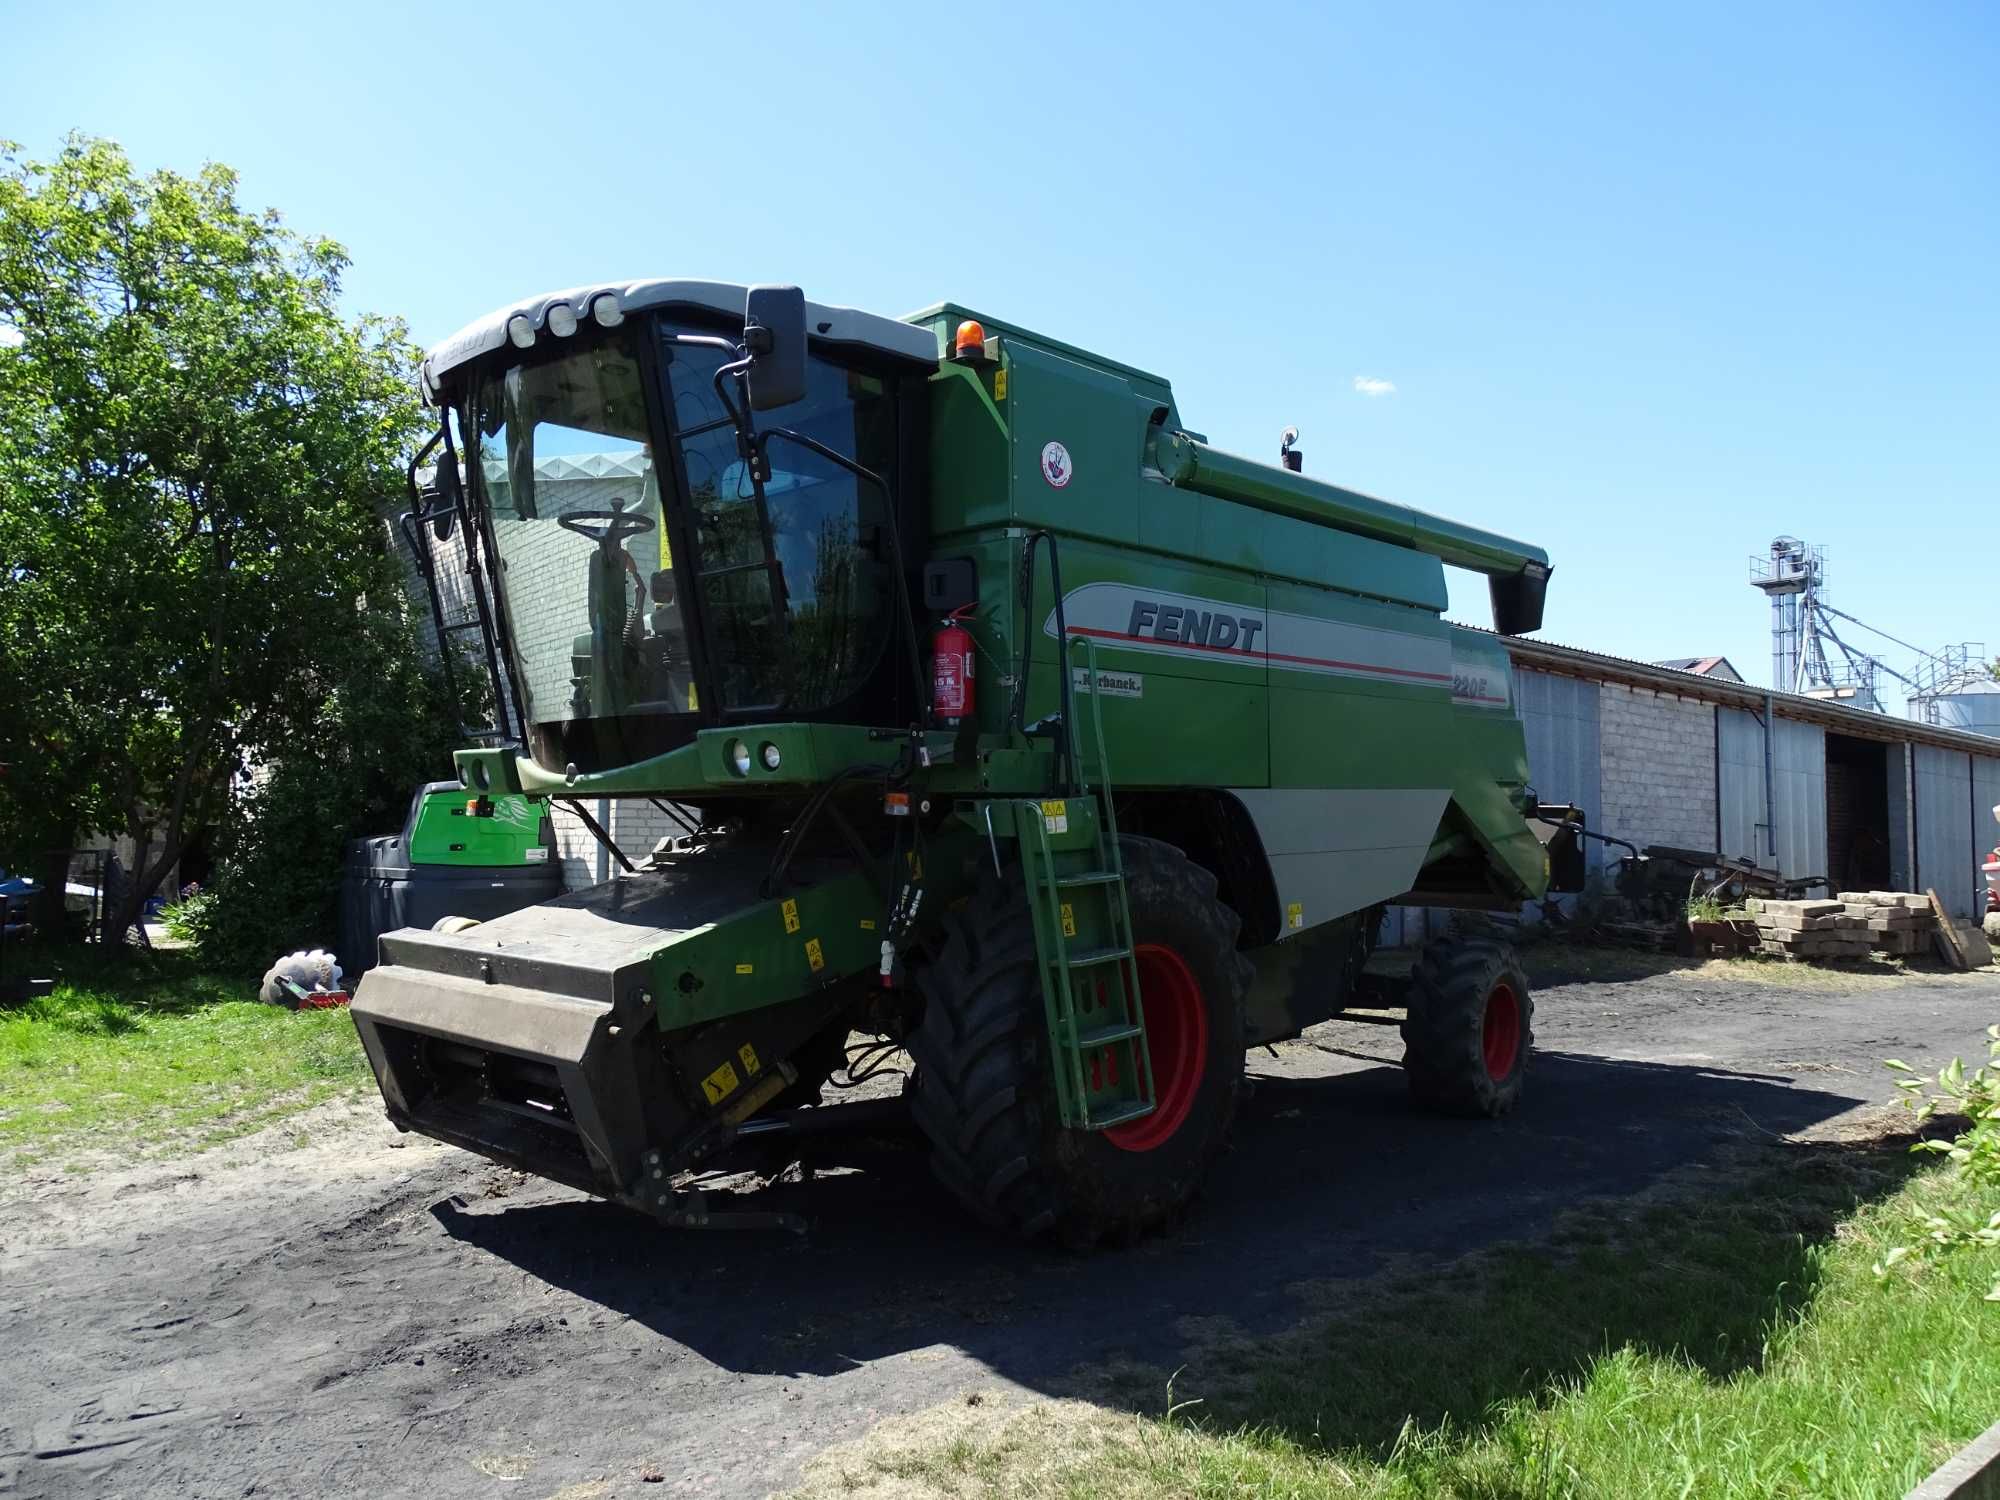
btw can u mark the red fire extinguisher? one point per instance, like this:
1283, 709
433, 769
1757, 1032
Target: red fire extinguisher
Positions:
951, 671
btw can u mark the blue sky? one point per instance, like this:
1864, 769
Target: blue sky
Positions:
1650, 284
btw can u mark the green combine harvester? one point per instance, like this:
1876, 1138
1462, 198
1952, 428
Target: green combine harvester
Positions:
1010, 724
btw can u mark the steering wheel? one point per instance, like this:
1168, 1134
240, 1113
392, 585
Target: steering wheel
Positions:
617, 524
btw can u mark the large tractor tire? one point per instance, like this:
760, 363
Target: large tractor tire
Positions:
1469, 1030
985, 1089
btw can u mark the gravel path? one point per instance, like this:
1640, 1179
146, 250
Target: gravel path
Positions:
369, 1314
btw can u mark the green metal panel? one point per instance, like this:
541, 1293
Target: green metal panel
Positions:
451, 831
770, 952
1185, 461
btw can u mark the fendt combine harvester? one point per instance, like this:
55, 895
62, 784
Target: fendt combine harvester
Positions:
1011, 723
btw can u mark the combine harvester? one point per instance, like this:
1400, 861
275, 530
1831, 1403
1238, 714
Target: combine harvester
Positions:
1012, 725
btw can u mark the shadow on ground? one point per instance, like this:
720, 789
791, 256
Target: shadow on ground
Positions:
1329, 1179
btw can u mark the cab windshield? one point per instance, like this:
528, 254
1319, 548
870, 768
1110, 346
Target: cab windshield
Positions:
645, 578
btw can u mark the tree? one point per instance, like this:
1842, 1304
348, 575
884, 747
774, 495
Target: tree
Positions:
194, 443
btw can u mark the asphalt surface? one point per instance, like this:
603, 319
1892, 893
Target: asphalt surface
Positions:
367, 1314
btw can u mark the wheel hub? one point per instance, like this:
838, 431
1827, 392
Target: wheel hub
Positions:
1500, 1031
1176, 1042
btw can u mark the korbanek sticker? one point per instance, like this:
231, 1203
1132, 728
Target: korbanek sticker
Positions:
1056, 465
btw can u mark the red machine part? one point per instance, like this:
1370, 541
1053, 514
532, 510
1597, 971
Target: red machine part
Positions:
952, 694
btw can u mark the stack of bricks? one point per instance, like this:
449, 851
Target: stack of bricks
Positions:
1822, 930
1898, 922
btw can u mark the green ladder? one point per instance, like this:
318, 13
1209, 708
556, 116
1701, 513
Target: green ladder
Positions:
1083, 939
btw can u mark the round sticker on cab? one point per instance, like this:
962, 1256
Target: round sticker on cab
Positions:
1055, 464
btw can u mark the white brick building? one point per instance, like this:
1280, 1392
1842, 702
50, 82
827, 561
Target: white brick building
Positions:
1658, 760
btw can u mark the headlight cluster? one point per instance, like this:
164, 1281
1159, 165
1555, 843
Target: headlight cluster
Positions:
737, 752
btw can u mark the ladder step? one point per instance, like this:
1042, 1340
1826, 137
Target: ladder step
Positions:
1104, 1036
1091, 877
1084, 957
1121, 1114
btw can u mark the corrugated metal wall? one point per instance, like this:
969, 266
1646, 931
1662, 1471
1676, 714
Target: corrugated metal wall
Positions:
1795, 840
1985, 796
1739, 786
1798, 777
1559, 715
1945, 859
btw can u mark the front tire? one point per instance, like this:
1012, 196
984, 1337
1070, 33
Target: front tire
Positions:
985, 1091
1469, 1030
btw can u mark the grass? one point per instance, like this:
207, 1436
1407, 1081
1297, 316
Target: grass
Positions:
1553, 964
151, 1054
1731, 1344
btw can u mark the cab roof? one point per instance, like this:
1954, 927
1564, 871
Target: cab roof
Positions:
837, 326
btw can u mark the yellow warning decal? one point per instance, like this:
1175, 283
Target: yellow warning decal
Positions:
813, 956
999, 385
867, 924
1295, 915
1068, 920
749, 1055
791, 911
720, 1084
916, 865
1055, 815
746, 968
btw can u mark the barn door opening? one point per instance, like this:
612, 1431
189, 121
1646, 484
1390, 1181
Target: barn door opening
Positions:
1857, 813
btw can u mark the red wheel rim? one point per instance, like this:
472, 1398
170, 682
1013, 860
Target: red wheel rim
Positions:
1176, 1041
1500, 1037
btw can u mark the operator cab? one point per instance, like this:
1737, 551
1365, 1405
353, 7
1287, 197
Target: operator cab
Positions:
656, 570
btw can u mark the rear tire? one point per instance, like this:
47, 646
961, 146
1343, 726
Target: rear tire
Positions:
985, 1091
1469, 1030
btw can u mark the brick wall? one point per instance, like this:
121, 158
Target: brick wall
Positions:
1658, 768
635, 825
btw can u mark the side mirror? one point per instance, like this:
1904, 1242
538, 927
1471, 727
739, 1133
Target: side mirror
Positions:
774, 333
447, 483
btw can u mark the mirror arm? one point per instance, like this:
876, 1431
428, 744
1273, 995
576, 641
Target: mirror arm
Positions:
748, 448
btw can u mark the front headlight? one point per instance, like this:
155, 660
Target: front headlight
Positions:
739, 757
770, 756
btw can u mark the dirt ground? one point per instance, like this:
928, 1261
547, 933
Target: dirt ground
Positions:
369, 1314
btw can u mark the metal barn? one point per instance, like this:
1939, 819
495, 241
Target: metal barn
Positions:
1813, 788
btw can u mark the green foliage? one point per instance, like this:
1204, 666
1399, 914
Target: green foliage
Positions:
194, 443
1973, 1222
1705, 909
187, 919
384, 729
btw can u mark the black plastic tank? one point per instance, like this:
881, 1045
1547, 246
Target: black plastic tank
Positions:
449, 860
